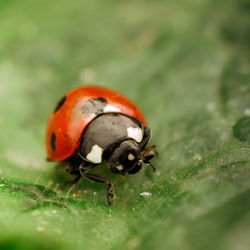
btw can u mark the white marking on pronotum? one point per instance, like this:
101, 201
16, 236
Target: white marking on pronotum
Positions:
145, 194
119, 167
111, 108
135, 133
131, 157
95, 155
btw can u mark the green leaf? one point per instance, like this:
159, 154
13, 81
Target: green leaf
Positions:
186, 65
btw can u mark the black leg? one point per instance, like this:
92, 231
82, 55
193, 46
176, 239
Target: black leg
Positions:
110, 195
71, 183
76, 180
73, 169
101, 179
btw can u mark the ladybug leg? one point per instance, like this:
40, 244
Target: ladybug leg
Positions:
84, 172
75, 181
73, 168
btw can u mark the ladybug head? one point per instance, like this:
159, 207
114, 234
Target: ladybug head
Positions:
128, 157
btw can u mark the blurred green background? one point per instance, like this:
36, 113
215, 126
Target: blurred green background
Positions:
186, 64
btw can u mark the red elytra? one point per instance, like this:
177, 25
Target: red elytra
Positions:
68, 121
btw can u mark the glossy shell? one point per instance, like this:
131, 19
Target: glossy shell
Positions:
106, 131
76, 110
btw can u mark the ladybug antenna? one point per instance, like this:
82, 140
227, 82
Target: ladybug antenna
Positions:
148, 154
150, 148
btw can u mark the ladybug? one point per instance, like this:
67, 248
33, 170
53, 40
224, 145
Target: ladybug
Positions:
93, 124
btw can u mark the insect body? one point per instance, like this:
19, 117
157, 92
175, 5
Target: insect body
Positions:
93, 124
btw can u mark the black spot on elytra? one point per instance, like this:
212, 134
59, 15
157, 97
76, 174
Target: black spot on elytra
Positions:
94, 106
60, 103
53, 141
